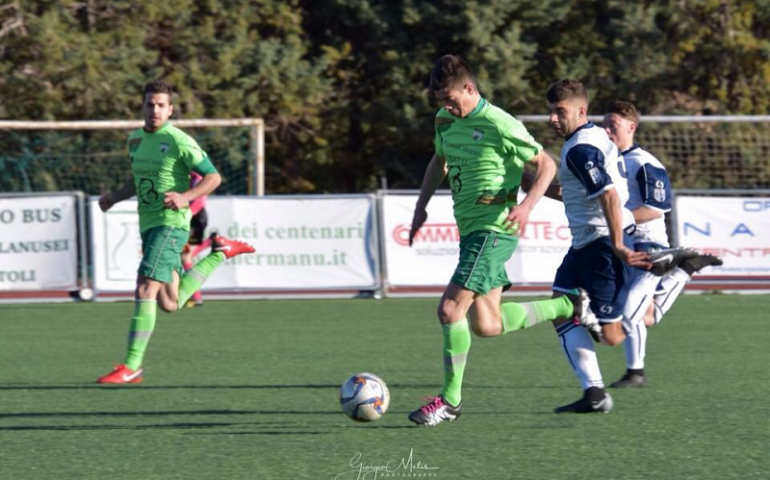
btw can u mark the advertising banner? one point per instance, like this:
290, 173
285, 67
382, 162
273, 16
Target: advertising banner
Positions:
38, 243
433, 256
737, 229
301, 243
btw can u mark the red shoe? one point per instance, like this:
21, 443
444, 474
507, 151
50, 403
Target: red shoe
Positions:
122, 374
229, 247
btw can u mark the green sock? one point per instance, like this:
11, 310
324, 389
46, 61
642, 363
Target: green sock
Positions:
140, 332
457, 343
517, 316
194, 278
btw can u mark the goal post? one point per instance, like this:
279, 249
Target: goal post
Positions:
112, 146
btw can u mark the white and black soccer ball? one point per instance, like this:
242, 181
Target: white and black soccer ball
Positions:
364, 397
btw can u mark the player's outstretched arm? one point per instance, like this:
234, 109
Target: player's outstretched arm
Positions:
545, 170
553, 191
434, 175
125, 192
176, 200
610, 202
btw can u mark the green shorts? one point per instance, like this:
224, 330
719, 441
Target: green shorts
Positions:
161, 252
483, 255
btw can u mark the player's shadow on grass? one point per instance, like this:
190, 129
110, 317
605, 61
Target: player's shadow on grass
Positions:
260, 433
169, 426
162, 413
394, 386
44, 428
259, 427
106, 388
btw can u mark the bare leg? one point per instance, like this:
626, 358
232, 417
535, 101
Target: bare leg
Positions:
168, 294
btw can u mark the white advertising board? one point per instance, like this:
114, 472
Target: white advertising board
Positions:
737, 229
433, 257
301, 243
38, 243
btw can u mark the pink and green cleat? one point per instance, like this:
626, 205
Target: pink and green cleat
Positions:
435, 412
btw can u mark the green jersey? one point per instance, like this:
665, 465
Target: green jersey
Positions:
161, 162
485, 154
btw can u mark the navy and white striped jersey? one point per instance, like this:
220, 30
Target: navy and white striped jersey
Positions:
648, 186
590, 165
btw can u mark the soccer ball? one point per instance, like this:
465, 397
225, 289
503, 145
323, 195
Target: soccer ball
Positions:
364, 397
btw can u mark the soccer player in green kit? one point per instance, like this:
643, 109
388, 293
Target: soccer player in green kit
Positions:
162, 157
482, 150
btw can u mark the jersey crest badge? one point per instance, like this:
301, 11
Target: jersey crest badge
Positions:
477, 134
593, 172
659, 193
163, 147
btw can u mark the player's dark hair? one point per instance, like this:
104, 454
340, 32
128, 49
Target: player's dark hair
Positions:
566, 89
450, 70
625, 110
158, 86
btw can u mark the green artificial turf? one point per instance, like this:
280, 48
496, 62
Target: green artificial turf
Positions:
249, 390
